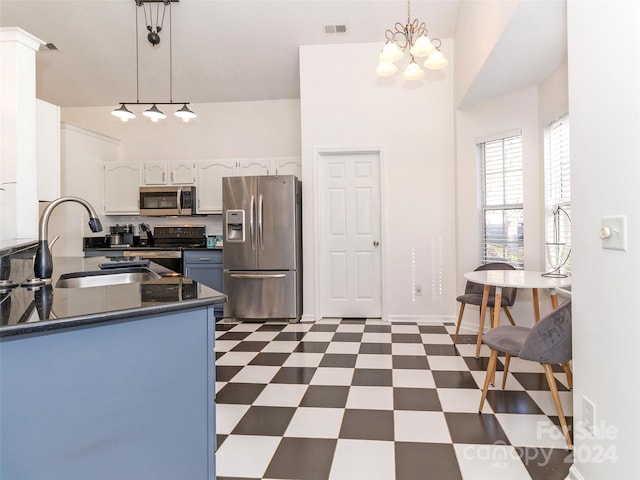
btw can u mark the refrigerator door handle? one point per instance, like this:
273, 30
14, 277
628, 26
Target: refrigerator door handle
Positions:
258, 275
252, 208
260, 232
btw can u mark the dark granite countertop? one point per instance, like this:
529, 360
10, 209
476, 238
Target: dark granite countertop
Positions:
39, 309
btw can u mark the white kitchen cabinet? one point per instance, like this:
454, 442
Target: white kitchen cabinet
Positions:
209, 187
287, 166
252, 167
168, 173
155, 173
210, 173
182, 173
122, 187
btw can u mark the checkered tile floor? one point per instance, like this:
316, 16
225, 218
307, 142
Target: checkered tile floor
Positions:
364, 399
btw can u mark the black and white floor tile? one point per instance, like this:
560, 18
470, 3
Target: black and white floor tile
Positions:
365, 399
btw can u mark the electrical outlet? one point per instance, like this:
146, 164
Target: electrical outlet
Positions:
418, 290
588, 414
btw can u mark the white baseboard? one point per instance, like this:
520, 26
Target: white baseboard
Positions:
421, 319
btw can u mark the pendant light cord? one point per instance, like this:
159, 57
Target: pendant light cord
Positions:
138, 58
170, 53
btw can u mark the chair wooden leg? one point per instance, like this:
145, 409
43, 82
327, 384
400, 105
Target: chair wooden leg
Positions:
480, 331
455, 339
491, 370
506, 369
567, 370
508, 313
556, 400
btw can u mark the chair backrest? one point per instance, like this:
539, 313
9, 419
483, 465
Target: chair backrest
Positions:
549, 341
507, 293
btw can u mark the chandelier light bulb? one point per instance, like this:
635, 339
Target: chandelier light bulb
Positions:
423, 47
412, 72
386, 69
390, 53
436, 61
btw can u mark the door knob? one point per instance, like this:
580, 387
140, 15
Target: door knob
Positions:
376, 243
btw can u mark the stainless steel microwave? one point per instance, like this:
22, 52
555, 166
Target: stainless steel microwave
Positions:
168, 200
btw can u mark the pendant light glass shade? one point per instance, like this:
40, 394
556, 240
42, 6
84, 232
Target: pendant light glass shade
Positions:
185, 114
412, 72
123, 113
390, 53
386, 69
436, 61
423, 47
154, 114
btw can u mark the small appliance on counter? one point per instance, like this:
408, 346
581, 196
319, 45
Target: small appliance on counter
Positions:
121, 235
214, 241
146, 237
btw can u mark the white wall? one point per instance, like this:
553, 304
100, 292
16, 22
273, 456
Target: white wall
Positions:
83, 153
492, 118
604, 104
479, 26
222, 130
344, 105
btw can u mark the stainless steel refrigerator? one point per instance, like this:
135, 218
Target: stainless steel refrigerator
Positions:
262, 252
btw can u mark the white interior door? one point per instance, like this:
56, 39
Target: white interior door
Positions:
350, 235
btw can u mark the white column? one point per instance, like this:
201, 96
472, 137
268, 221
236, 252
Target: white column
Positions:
19, 200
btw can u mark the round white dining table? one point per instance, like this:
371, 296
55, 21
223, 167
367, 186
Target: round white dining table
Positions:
513, 279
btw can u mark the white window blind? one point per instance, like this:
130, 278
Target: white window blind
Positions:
502, 234
557, 182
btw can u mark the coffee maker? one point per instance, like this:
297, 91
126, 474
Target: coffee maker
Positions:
121, 235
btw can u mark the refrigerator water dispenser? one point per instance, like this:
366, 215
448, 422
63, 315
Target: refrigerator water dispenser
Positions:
235, 226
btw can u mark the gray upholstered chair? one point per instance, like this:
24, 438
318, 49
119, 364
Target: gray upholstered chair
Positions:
473, 296
548, 342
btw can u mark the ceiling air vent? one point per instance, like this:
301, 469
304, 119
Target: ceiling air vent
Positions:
50, 46
335, 29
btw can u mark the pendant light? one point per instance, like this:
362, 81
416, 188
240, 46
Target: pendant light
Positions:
154, 28
412, 36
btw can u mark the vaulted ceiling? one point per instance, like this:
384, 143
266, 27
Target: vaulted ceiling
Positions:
244, 50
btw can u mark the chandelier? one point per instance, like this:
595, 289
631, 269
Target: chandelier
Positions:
412, 36
154, 29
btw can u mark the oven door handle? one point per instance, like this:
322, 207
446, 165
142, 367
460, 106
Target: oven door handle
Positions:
153, 253
258, 275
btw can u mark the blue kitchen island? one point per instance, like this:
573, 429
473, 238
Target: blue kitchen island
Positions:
107, 382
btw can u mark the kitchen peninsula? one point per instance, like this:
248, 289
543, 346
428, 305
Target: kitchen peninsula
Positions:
113, 381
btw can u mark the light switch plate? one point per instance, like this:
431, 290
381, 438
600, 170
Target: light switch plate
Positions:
617, 225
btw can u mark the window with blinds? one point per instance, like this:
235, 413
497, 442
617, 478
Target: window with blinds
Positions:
557, 194
502, 232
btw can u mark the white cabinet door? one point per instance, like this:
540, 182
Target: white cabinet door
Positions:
210, 173
254, 167
350, 234
121, 187
288, 166
155, 173
182, 173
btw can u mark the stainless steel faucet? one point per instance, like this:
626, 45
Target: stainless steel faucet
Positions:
43, 264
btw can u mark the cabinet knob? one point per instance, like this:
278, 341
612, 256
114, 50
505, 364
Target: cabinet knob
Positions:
376, 243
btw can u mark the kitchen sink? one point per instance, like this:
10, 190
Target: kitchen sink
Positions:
102, 278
